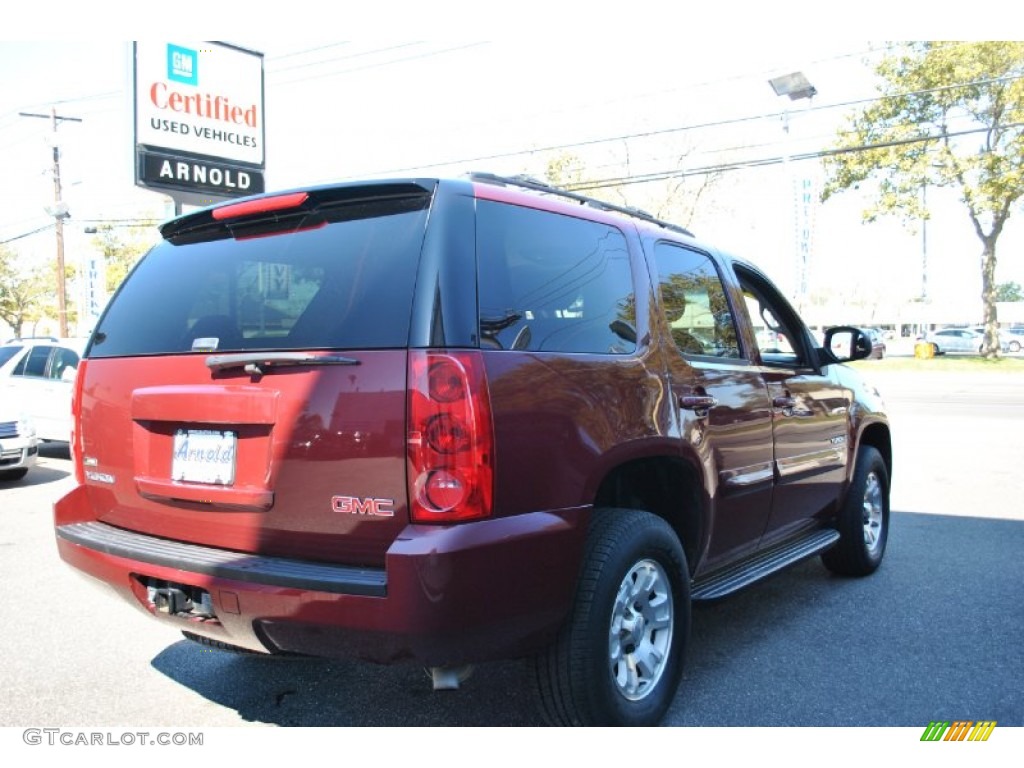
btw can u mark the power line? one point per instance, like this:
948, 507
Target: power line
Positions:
685, 128
360, 54
765, 161
381, 64
314, 49
27, 234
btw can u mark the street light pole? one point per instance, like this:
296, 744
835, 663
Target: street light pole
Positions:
60, 213
796, 86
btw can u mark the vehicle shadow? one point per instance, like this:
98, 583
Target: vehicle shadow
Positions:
55, 450
38, 475
46, 471
296, 691
802, 648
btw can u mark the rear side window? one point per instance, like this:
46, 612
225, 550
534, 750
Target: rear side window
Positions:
552, 283
344, 283
34, 363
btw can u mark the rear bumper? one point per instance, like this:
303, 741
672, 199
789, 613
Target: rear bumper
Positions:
447, 595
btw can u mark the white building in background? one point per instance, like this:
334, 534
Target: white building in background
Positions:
92, 291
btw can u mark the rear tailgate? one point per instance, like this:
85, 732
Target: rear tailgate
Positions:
305, 461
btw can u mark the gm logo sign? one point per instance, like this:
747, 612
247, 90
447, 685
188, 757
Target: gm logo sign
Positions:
182, 65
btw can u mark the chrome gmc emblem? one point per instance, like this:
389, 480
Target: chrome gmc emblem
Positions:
356, 506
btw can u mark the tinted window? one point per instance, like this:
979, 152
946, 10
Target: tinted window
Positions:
694, 303
64, 363
6, 353
34, 363
345, 283
553, 283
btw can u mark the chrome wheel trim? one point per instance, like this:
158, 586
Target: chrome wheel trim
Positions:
873, 514
640, 633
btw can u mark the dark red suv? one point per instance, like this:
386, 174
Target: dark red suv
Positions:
458, 420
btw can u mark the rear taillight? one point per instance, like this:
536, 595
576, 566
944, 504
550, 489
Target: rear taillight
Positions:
76, 422
451, 439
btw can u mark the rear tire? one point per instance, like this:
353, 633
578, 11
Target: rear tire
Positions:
619, 657
863, 519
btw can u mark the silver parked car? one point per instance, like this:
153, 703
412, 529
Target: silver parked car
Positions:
1004, 338
1014, 339
955, 340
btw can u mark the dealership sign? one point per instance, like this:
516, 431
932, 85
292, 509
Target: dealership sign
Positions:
199, 120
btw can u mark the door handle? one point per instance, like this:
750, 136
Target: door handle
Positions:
784, 401
697, 402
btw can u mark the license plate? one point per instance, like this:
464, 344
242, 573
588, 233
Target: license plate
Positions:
204, 456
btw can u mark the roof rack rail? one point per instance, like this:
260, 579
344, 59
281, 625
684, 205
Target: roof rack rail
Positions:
528, 182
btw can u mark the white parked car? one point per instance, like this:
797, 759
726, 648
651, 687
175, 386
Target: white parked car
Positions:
19, 446
36, 377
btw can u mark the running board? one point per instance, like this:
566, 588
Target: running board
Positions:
761, 564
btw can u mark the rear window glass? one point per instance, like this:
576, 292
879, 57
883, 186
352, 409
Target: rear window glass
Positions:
346, 284
553, 283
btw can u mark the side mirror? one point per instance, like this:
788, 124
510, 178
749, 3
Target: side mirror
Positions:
845, 343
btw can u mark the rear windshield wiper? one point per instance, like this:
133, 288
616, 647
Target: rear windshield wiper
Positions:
492, 326
260, 362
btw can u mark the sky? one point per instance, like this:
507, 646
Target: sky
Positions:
342, 110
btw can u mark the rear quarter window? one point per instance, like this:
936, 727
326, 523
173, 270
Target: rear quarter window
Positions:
553, 283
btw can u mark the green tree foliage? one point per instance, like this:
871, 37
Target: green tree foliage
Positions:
949, 115
121, 248
23, 294
1009, 292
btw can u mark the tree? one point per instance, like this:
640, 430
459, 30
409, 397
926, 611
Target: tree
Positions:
1009, 292
22, 294
949, 115
675, 199
121, 249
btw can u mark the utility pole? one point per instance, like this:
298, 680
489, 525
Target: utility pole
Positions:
60, 213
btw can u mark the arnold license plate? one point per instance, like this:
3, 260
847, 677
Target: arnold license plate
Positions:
204, 456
